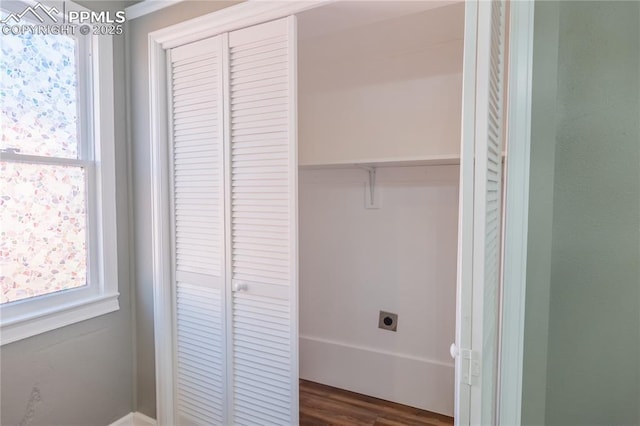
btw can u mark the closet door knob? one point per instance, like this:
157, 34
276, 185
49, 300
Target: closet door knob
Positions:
240, 286
453, 350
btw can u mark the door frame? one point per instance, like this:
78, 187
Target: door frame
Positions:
519, 107
252, 13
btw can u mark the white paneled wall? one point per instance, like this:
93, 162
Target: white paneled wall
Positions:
400, 258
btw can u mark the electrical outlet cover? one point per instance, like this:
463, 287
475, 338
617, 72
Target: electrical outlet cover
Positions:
388, 321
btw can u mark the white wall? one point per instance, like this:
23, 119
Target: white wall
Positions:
400, 258
414, 118
392, 89
385, 90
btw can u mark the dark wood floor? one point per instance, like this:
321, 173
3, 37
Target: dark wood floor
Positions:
322, 405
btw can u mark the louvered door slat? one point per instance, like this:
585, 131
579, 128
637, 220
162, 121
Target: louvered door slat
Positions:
194, 107
491, 186
208, 74
260, 63
193, 89
197, 157
262, 208
273, 47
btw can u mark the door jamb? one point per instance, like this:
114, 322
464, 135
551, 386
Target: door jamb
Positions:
516, 212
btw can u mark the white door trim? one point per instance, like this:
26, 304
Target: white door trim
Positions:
516, 211
293, 219
465, 216
246, 14
232, 18
161, 233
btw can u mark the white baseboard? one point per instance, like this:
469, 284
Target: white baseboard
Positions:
134, 419
409, 380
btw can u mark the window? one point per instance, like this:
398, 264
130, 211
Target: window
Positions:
57, 181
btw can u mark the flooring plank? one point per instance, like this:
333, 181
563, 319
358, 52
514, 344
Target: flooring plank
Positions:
322, 405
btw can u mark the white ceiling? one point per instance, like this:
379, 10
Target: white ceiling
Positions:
342, 15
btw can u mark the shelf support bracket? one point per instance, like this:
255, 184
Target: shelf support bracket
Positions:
372, 195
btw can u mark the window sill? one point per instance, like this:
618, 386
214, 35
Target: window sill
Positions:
42, 321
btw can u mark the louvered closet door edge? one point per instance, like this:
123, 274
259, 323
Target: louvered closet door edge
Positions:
483, 93
293, 170
288, 293
486, 244
198, 284
172, 238
228, 294
480, 199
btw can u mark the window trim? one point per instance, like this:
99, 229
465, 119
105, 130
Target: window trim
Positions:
29, 317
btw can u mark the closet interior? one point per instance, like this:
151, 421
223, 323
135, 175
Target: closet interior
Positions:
379, 118
311, 216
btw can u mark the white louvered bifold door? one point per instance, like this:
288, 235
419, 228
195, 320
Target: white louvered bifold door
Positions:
488, 197
196, 163
263, 226
480, 210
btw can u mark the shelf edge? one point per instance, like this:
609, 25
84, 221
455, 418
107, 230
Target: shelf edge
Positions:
436, 160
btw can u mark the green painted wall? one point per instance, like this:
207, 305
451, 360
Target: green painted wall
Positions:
593, 347
593, 365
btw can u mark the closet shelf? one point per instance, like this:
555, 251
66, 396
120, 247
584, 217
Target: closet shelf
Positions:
434, 160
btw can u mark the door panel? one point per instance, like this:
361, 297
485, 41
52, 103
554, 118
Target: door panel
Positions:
488, 209
263, 223
480, 214
197, 209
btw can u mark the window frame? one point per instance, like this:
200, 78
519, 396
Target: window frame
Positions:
96, 154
